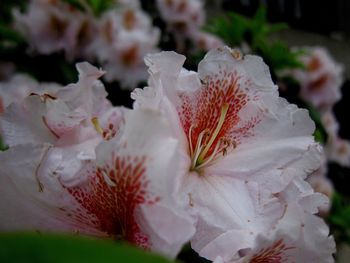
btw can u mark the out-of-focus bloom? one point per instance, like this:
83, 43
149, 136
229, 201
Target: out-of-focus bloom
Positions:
321, 80
53, 26
337, 149
321, 184
126, 35
241, 143
184, 18
76, 164
207, 41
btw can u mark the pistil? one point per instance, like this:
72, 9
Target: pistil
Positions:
206, 140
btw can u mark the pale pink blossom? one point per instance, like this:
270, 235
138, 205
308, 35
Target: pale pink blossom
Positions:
126, 35
337, 149
207, 41
76, 164
299, 236
321, 80
126, 194
54, 26
241, 143
65, 118
184, 18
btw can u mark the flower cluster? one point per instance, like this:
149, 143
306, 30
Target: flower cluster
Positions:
214, 157
184, 18
117, 39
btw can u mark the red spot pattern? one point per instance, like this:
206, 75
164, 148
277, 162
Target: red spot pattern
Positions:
273, 254
113, 200
202, 110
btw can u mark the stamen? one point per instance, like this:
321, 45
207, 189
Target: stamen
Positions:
97, 125
108, 180
199, 147
211, 157
224, 110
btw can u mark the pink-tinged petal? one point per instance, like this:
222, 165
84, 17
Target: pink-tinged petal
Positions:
225, 203
39, 118
24, 123
33, 201
273, 156
321, 80
173, 226
88, 94
309, 244
227, 245
132, 182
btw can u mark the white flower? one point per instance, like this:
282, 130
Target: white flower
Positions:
337, 149
76, 164
241, 144
298, 237
53, 26
321, 80
126, 35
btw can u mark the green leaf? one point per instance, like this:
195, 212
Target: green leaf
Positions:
6, 33
50, 248
3, 147
320, 132
76, 3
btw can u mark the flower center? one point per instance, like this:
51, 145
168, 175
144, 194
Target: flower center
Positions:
107, 133
209, 146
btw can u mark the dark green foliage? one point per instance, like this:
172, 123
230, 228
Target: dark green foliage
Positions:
236, 29
96, 6
339, 218
49, 248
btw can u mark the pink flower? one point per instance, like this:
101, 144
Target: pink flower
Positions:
76, 164
241, 143
65, 118
299, 236
321, 80
207, 41
53, 26
321, 184
337, 149
184, 18
126, 35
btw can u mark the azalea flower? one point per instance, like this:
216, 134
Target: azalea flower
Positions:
321, 184
53, 26
183, 18
207, 41
321, 80
299, 236
337, 149
241, 143
65, 118
126, 35
77, 165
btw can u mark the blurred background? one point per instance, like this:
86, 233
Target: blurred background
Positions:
43, 39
